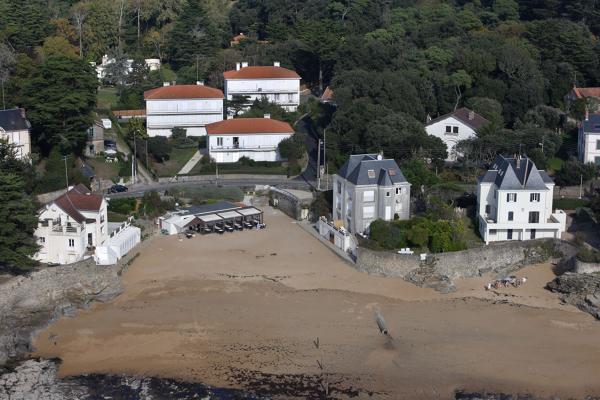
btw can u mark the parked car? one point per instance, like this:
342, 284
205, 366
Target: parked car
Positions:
110, 144
118, 189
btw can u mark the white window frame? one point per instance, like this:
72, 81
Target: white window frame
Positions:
368, 212
71, 242
219, 141
511, 197
534, 197
398, 191
369, 196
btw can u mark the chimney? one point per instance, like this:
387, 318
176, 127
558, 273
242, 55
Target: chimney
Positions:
237, 66
174, 83
380, 155
518, 161
428, 119
22, 110
587, 114
471, 115
199, 83
229, 116
267, 116
277, 64
166, 84
244, 64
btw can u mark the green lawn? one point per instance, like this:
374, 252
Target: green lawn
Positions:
555, 163
274, 168
108, 170
177, 160
107, 98
570, 203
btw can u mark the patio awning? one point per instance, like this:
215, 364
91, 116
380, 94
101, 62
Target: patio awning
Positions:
229, 215
249, 211
210, 218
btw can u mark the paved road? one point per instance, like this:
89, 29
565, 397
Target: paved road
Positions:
139, 189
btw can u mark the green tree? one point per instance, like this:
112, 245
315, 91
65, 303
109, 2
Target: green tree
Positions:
59, 98
292, 148
193, 35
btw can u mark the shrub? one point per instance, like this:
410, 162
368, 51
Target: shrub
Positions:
124, 206
570, 204
588, 256
160, 148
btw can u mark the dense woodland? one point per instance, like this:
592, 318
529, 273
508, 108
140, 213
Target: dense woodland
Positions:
390, 63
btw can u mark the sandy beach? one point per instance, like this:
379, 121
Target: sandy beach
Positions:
234, 310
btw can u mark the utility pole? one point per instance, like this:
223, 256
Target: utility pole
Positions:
580, 185
325, 158
319, 166
217, 174
66, 171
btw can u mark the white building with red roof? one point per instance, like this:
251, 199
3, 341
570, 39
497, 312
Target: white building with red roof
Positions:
274, 83
190, 107
255, 138
75, 225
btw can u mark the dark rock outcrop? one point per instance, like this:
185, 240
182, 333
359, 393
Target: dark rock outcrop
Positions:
580, 290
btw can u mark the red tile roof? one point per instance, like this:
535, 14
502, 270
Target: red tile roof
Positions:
586, 92
129, 113
79, 198
264, 72
183, 92
249, 126
327, 94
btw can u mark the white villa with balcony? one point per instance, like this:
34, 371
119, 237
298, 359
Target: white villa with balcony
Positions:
514, 202
255, 138
75, 226
588, 140
190, 107
274, 83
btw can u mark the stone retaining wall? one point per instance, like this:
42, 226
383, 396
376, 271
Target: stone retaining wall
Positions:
288, 203
586, 268
500, 258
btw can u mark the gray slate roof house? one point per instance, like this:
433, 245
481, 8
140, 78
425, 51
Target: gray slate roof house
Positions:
368, 187
14, 120
516, 173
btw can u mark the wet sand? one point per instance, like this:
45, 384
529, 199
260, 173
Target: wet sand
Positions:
224, 309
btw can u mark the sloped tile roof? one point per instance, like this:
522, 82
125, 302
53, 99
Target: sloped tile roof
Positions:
183, 92
261, 72
13, 120
586, 92
510, 173
249, 126
466, 116
78, 199
366, 169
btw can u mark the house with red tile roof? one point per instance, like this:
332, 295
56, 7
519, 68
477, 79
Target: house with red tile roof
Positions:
190, 107
75, 226
583, 93
254, 138
274, 83
453, 127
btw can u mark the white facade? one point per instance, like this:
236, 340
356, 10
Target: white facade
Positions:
367, 188
256, 146
189, 112
588, 140
64, 240
517, 213
121, 240
153, 64
20, 139
339, 237
283, 91
451, 131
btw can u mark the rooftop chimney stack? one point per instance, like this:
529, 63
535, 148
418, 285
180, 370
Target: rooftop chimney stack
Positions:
199, 83
471, 115
267, 116
237, 66
380, 155
244, 64
22, 110
166, 84
276, 64
518, 161
587, 114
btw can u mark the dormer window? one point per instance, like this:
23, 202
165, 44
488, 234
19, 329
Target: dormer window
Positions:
392, 172
371, 173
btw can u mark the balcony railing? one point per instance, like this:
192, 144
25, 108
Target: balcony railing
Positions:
243, 148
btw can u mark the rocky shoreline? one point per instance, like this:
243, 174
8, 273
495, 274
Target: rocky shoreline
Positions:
580, 290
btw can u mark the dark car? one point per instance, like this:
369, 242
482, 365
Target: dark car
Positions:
118, 189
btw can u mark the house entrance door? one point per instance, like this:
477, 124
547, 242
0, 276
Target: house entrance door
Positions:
90, 239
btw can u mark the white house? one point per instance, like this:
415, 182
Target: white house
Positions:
276, 84
368, 187
459, 125
153, 64
75, 225
190, 107
255, 138
514, 202
588, 140
14, 128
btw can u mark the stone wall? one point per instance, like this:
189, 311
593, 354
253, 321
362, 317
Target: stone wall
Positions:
586, 268
500, 258
29, 303
288, 203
